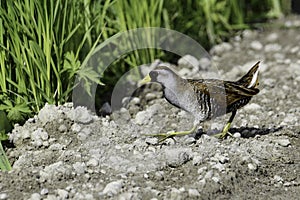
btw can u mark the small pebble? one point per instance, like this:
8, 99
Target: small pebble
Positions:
62, 128
188, 61
113, 188
283, 142
3, 196
193, 193
252, 166
92, 162
237, 135
44, 191
256, 45
63, 194
35, 196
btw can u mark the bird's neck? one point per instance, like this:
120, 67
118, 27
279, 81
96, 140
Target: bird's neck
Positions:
173, 91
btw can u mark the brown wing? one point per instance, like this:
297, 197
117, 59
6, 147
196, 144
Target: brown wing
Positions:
224, 96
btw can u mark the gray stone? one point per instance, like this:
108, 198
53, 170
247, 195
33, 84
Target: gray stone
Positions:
44, 191
221, 48
79, 167
92, 162
84, 134
48, 113
62, 128
193, 193
256, 45
283, 142
177, 156
51, 197
150, 96
252, 107
63, 194
204, 63
151, 140
252, 166
35, 196
272, 37
113, 188
218, 166
215, 179
80, 115
56, 147
237, 135
273, 47
278, 178
197, 159
188, 61
3, 196
75, 127
249, 34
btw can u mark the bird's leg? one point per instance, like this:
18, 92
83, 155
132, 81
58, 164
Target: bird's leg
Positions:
165, 136
226, 127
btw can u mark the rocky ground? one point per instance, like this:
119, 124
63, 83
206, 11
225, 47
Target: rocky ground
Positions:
67, 153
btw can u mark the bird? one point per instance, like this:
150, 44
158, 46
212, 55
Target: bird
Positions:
205, 99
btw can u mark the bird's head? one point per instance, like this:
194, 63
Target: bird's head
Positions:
161, 74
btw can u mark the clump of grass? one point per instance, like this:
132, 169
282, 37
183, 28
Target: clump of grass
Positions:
42, 46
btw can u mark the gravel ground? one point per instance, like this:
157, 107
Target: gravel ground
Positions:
67, 153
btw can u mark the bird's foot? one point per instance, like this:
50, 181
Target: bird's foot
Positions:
224, 133
171, 134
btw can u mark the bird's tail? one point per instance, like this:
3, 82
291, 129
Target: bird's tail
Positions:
250, 80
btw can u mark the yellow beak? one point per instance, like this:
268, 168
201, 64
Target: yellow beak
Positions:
145, 80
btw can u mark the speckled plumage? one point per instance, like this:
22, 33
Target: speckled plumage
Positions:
206, 98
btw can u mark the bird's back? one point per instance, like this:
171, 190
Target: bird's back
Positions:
217, 97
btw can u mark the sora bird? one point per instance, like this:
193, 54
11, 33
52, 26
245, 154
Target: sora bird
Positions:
205, 99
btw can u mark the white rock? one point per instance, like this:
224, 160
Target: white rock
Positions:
113, 188
278, 178
283, 142
79, 167
252, 166
221, 48
62, 128
252, 107
204, 63
188, 61
208, 174
215, 179
84, 134
249, 33
35, 196
44, 191
272, 37
219, 167
63, 194
256, 45
51, 197
48, 113
273, 47
177, 156
197, 160
75, 127
80, 115
237, 135
141, 118
201, 170
92, 162
151, 140
193, 193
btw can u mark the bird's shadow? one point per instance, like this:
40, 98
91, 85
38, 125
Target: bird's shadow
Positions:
246, 132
